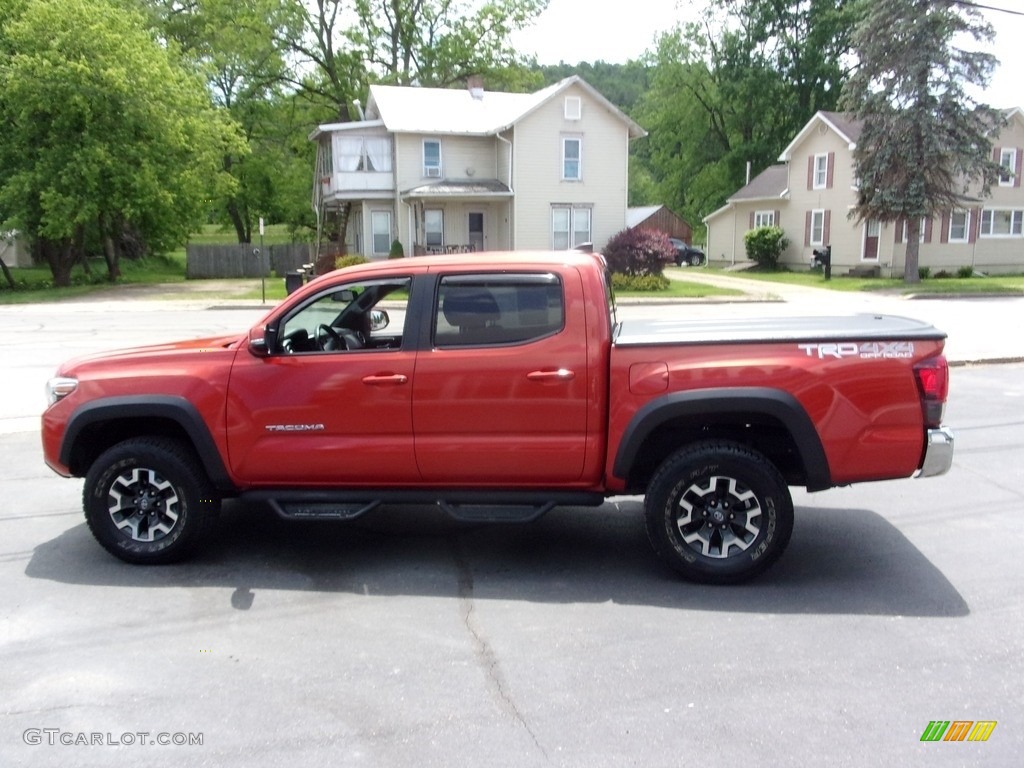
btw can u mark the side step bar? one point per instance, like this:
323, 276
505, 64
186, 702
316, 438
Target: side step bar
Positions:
464, 506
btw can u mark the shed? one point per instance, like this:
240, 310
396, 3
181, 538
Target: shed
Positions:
660, 218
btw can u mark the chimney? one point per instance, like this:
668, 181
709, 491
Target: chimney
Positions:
475, 84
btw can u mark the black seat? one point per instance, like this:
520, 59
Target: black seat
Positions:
474, 311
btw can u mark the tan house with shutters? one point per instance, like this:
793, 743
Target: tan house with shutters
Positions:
452, 170
812, 190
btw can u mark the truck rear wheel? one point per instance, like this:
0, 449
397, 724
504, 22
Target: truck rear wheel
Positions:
718, 512
147, 500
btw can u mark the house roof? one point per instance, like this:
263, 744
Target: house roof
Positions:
770, 184
404, 109
844, 124
450, 189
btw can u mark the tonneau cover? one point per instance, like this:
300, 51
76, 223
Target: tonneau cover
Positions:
864, 327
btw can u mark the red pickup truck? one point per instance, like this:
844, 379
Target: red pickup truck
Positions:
498, 386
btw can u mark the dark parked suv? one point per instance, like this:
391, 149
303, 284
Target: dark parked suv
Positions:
687, 255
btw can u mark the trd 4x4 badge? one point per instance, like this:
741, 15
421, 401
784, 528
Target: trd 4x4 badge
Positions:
870, 350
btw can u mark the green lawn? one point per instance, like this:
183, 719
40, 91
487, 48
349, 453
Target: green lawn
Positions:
681, 289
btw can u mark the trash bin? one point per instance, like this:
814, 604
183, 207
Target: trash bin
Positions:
292, 281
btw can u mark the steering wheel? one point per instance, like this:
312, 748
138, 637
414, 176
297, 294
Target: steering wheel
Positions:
323, 330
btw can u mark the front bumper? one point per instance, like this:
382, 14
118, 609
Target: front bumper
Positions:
938, 453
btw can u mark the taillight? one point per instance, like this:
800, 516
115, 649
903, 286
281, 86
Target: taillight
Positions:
933, 384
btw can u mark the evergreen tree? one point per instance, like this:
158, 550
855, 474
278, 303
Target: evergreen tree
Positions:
924, 140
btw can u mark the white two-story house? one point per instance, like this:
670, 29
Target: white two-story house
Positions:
812, 190
449, 170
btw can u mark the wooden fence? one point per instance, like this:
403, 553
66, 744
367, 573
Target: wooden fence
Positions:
216, 261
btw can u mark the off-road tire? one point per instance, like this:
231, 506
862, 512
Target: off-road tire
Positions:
147, 500
718, 512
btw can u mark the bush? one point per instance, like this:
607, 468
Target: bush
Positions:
644, 283
639, 252
349, 261
924, 272
765, 245
965, 272
397, 251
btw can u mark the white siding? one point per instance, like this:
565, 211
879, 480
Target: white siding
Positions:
537, 175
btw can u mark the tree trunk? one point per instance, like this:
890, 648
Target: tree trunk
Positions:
60, 255
110, 253
7, 274
242, 229
911, 273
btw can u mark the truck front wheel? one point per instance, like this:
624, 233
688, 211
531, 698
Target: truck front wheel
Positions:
718, 512
147, 500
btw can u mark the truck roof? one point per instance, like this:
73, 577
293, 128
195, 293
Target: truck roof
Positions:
493, 258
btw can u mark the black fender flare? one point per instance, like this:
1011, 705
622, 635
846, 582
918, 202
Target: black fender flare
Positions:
766, 401
141, 407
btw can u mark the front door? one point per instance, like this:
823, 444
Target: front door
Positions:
871, 232
476, 231
500, 397
332, 403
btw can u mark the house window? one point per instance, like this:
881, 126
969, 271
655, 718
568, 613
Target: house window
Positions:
363, 154
572, 150
380, 223
817, 234
570, 227
432, 158
433, 228
764, 219
820, 171
1001, 222
1007, 161
959, 226
573, 108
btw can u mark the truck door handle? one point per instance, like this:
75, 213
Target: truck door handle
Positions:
385, 379
562, 374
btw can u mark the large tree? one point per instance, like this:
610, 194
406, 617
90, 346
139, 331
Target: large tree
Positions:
924, 140
240, 48
733, 89
440, 43
107, 142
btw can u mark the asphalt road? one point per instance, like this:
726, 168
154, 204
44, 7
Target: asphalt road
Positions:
405, 640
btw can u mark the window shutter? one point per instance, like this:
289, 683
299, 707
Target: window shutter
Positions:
1018, 167
996, 154
972, 236
899, 231
807, 228
944, 233
810, 172
928, 230
830, 166
750, 225
825, 230
778, 219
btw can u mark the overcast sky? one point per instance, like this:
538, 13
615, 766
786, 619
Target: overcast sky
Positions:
577, 30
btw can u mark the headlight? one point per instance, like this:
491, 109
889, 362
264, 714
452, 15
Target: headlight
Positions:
59, 387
